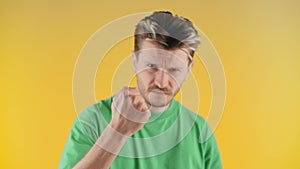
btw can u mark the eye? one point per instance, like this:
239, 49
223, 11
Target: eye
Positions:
150, 65
174, 70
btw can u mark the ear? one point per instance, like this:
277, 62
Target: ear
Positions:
190, 66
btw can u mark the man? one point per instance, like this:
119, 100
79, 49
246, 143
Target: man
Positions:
144, 127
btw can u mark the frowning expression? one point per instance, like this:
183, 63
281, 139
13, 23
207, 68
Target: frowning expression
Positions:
160, 72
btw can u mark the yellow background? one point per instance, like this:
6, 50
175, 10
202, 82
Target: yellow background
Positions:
258, 43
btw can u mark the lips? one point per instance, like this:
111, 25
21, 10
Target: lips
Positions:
158, 91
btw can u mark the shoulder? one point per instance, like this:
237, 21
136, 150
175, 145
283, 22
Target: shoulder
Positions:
200, 126
94, 118
93, 112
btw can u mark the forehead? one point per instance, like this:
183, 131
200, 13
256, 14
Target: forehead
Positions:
182, 54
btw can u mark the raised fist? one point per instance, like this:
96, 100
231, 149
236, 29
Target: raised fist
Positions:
130, 112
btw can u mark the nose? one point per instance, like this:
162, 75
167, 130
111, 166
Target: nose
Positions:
161, 79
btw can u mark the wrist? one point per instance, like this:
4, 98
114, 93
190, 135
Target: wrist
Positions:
121, 129
111, 140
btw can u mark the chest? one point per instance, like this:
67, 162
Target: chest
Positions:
186, 154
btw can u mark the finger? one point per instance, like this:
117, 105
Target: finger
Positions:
134, 91
132, 107
139, 103
118, 101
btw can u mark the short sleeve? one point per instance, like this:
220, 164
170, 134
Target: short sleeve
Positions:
211, 150
78, 144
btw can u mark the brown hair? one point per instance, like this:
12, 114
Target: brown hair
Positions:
168, 31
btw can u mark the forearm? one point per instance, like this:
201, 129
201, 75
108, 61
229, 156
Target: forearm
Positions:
126, 120
104, 151
96, 158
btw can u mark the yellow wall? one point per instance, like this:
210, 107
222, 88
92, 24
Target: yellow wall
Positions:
258, 43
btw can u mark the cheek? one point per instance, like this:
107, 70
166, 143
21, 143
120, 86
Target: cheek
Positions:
175, 82
174, 85
145, 78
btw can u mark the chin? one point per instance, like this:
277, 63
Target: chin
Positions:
158, 100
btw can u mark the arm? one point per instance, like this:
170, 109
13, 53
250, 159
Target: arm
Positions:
97, 157
104, 151
211, 150
212, 155
123, 124
90, 154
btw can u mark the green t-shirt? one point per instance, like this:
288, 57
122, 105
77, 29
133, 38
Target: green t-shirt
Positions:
174, 139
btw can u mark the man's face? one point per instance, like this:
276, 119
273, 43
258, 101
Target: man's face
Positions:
160, 72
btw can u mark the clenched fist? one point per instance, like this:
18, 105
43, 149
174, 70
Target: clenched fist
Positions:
130, 112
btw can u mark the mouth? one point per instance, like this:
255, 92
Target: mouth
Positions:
157, 91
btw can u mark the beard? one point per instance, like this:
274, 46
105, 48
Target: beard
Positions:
155, 96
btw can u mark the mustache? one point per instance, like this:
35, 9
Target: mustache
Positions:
165, 90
